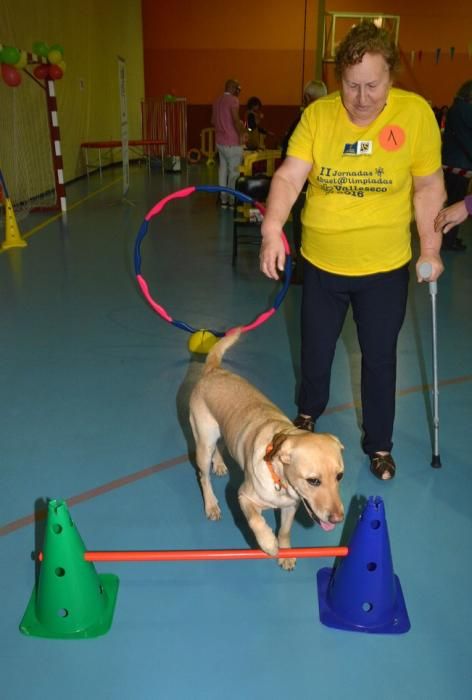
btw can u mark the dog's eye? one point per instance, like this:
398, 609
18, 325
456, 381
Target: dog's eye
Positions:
314, 482
339, 476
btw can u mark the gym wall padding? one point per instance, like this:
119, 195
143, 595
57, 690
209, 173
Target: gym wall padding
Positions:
272, 47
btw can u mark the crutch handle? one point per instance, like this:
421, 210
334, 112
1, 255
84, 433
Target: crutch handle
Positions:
425, 271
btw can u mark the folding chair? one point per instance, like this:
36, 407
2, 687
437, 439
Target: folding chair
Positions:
246, 216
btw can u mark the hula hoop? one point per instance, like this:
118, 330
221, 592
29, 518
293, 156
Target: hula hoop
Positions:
181, 194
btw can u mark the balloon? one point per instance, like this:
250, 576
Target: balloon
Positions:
55, 72
23, 61
41, 49
10, 75
54, 56
57, 47
62, 66
41, 71
10, 55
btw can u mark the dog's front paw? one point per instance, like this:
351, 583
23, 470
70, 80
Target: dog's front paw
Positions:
213, 512
288, 564
268, 543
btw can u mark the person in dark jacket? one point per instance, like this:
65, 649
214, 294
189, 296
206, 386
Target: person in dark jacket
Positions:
457, 156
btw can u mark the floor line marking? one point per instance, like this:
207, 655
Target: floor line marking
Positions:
419, 388
93, 493
45, 223
149, 471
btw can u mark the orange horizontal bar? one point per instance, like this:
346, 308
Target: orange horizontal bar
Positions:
213, 554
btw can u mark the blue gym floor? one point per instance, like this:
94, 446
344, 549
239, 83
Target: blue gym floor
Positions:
94, 410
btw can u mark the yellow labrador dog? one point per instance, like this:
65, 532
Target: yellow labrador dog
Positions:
283, 465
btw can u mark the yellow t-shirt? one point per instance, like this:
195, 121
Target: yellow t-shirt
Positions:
356, 220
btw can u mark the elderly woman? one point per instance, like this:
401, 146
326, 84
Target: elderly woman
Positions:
364, 150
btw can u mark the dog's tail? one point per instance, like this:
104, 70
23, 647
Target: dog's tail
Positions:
216, 353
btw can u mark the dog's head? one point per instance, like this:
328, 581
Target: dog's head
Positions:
313, 466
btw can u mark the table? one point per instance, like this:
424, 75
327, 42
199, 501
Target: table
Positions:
142, 147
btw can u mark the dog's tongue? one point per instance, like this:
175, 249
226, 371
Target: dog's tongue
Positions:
327, 527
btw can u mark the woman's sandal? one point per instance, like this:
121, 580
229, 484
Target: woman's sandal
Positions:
382, 466
304, 423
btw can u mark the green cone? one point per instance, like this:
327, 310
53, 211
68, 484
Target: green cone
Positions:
70, 600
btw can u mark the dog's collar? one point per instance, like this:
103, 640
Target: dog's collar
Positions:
278, 483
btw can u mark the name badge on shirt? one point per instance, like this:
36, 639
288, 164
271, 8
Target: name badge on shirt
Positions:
360, 148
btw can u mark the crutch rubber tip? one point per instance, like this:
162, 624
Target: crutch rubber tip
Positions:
436, 462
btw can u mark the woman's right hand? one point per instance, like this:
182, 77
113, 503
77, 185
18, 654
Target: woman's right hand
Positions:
285, 187
272, 254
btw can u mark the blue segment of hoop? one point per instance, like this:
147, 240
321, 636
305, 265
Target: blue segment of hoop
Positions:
137, 246
283, 291
217, 188
190, 329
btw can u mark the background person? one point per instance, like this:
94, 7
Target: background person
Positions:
457, 153
229, 133
253, 121
363, 151
312, 91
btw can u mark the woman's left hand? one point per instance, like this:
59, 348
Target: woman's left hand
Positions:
436, 264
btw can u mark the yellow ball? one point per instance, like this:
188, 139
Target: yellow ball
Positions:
202, 342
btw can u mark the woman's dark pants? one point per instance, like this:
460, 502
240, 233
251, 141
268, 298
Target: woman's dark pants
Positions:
378, 303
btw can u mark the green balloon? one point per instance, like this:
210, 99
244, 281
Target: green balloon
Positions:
10, 55
41, 48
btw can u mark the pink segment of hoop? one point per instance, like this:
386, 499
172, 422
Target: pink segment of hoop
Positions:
158, 309
175, 195
258, 322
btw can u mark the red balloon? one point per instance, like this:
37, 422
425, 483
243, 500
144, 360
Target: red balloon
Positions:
11, 75
55, 72
41, 71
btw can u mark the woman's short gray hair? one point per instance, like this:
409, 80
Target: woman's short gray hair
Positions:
364, 38
315, 89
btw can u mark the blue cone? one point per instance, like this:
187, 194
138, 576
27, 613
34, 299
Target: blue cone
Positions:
363, 594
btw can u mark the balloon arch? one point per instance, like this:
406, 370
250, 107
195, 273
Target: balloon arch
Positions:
46, 62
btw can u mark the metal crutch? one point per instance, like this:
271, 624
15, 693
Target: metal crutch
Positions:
425, 271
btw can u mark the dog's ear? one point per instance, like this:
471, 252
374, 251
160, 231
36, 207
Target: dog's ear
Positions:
338, 442
276, 449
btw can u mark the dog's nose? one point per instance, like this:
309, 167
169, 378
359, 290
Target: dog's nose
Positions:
335, 518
